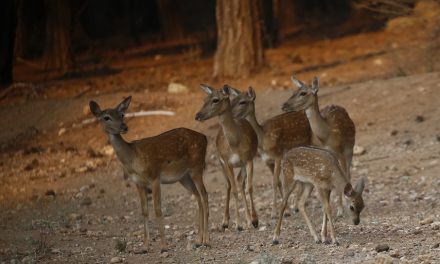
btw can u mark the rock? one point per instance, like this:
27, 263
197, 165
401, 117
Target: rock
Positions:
435, 225
349, 253
164, 254
177, 88
50, 192
84, 188
116, 260
86, 201
76, 217
426, 221
359, 150
436, 245
61, 131
383, 247
263, 228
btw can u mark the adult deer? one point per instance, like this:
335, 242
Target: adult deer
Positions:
332, 127
276, 135
237, 146
177, 155
319, 168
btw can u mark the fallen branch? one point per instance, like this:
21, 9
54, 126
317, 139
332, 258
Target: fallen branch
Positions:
135, 114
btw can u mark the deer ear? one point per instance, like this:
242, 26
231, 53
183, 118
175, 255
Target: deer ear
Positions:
348, 190
251, 93
123, 106
94, 108
315, 84
206, 88
296, 82
226, 90
233, 91
359, 186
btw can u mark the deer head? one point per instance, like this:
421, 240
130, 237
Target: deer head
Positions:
244, 103
215, 103
303, 97
354, 201
112, 119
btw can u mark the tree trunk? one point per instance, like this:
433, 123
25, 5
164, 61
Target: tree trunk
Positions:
171, 24
8, 22
239, 42
58, 54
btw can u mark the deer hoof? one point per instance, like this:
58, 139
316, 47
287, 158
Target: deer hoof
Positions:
239, 228
224, 226
275, 242
162, 250
255, 223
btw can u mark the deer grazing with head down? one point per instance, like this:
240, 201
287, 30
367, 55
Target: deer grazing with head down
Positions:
276, 135
332, 127
319, 168
236, 146
177, 155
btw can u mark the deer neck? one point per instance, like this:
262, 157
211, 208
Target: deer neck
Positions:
319, 126
124, 150
230, 128
252, 119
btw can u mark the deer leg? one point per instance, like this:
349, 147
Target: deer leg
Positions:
301, 206
275, 186
345, 162
230, 174
225, 222
298, 192
188, 183
250, 189
198, 181
144, 205
324, 196
241, 177
158, 211
288, 188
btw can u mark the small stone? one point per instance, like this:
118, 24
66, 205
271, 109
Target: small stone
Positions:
86, 201
165, 254
263, 228
350, 253
61, 131
177, 88
426, 221
358, 150
381, 248
420, 119
116, 260
394, 132
435, 225
436, 245
408, 142
55, 251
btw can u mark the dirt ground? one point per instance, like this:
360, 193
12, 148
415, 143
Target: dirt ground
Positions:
64, 200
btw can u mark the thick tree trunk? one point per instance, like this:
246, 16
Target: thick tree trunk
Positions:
58, 54
8, 22
239, 41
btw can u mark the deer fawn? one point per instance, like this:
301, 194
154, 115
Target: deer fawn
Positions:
237, 146
319, 168
332, 127
276, 135
176, 155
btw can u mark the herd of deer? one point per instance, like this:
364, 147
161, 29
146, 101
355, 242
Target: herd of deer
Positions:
312, 147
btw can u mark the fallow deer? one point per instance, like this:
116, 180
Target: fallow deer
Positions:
332, 127
177, 155
237, 146
276, 135
319, 168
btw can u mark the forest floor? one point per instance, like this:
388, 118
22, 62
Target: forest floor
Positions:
64, 200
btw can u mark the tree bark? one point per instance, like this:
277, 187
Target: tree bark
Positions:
58, 53
8, 20
239, 41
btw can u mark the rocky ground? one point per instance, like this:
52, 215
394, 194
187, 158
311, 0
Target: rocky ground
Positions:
64, 200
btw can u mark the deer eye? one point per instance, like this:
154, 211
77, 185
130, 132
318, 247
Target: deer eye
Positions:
302, 93
351, 208
215, 100
106, 118
122, 115
242, 102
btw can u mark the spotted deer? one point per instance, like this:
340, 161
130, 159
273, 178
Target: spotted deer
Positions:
276, 135
177, 155
237, 146
319, 168
332, 127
